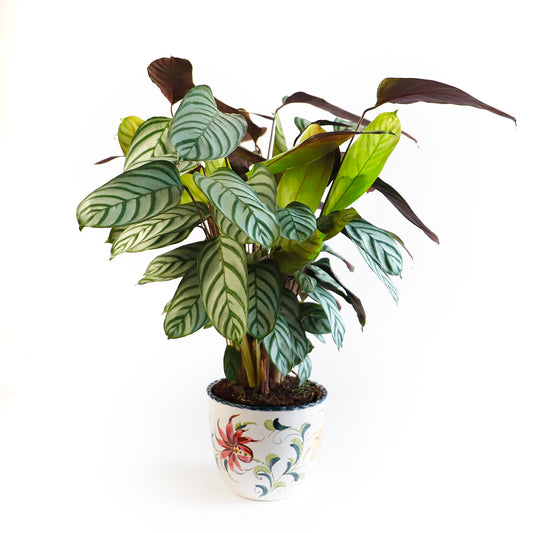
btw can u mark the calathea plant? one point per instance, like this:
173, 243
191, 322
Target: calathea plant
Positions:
256, 265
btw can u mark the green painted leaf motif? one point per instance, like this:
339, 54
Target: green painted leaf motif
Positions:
126, 131
201, 132
278, 346
132, 196
363, 162
264, 288
297, 222
150, 142
238, 202
223, 278
328, 303
378, 244
232, 363
177, 220
334, 223
173, 264
263, 182
186, 312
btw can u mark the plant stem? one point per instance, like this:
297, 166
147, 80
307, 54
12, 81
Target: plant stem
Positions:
257, 350
248, 363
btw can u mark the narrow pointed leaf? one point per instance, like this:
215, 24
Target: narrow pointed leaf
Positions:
327, 249
304, 370
239, 202
177, 220
403, 207
297, 222
185, 313
173, 76
200, 132
132, 196
264, 287
280, 144
126, 131
173, 264
411, 90
150, 142
223, 278
363, 163
328, 303
301, 123
377, 243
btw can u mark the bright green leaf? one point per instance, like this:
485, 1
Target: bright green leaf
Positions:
126, 131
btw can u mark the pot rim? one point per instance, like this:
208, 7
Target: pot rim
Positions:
267, 409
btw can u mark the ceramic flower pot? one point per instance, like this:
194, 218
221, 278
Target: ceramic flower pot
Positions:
264, 453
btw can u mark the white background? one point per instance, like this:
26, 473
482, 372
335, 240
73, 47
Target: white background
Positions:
103, 422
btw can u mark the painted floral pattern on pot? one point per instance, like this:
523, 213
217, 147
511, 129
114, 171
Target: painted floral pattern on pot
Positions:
271, 472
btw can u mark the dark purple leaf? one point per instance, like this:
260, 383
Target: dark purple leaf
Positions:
245, 154
403, 207
411, 90
358, 307
304, 98
254, 131
173, 76
107, 159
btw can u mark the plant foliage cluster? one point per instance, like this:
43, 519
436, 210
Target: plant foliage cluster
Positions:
261, 273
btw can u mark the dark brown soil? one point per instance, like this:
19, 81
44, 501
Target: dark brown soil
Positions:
289, 393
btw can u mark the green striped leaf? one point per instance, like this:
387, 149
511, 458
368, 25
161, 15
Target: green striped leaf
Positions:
173, 264
290, 309
363, 162
232, 363
150, 142
185, 313
132, 196
301, 123
278, 346
378, 244
238, 202
178, 220
223, 277
297, 222
334, 223
227, 227
306, 283
263, 182
126, 131
314, 319
201, 132
264, 287
304, 370
328, 303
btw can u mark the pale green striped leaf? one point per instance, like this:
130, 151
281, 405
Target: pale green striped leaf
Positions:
160, 241
278, 346
328, 303
290, 309
305, 282
150, 142
223, 277
378, 243
263, 182
314, 319
264, 286
297, 222
238, 202
227, 227
173, 264
304, 370
201, 132
185, 313
132, 196
126, 131
177, 220
280, 144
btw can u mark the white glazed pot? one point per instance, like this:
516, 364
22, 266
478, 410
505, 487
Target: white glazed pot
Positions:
264, 453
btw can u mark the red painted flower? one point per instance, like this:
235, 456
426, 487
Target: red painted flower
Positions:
234, 447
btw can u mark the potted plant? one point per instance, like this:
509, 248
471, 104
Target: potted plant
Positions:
248, 240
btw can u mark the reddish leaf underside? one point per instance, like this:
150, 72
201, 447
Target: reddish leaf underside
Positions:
411, 90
